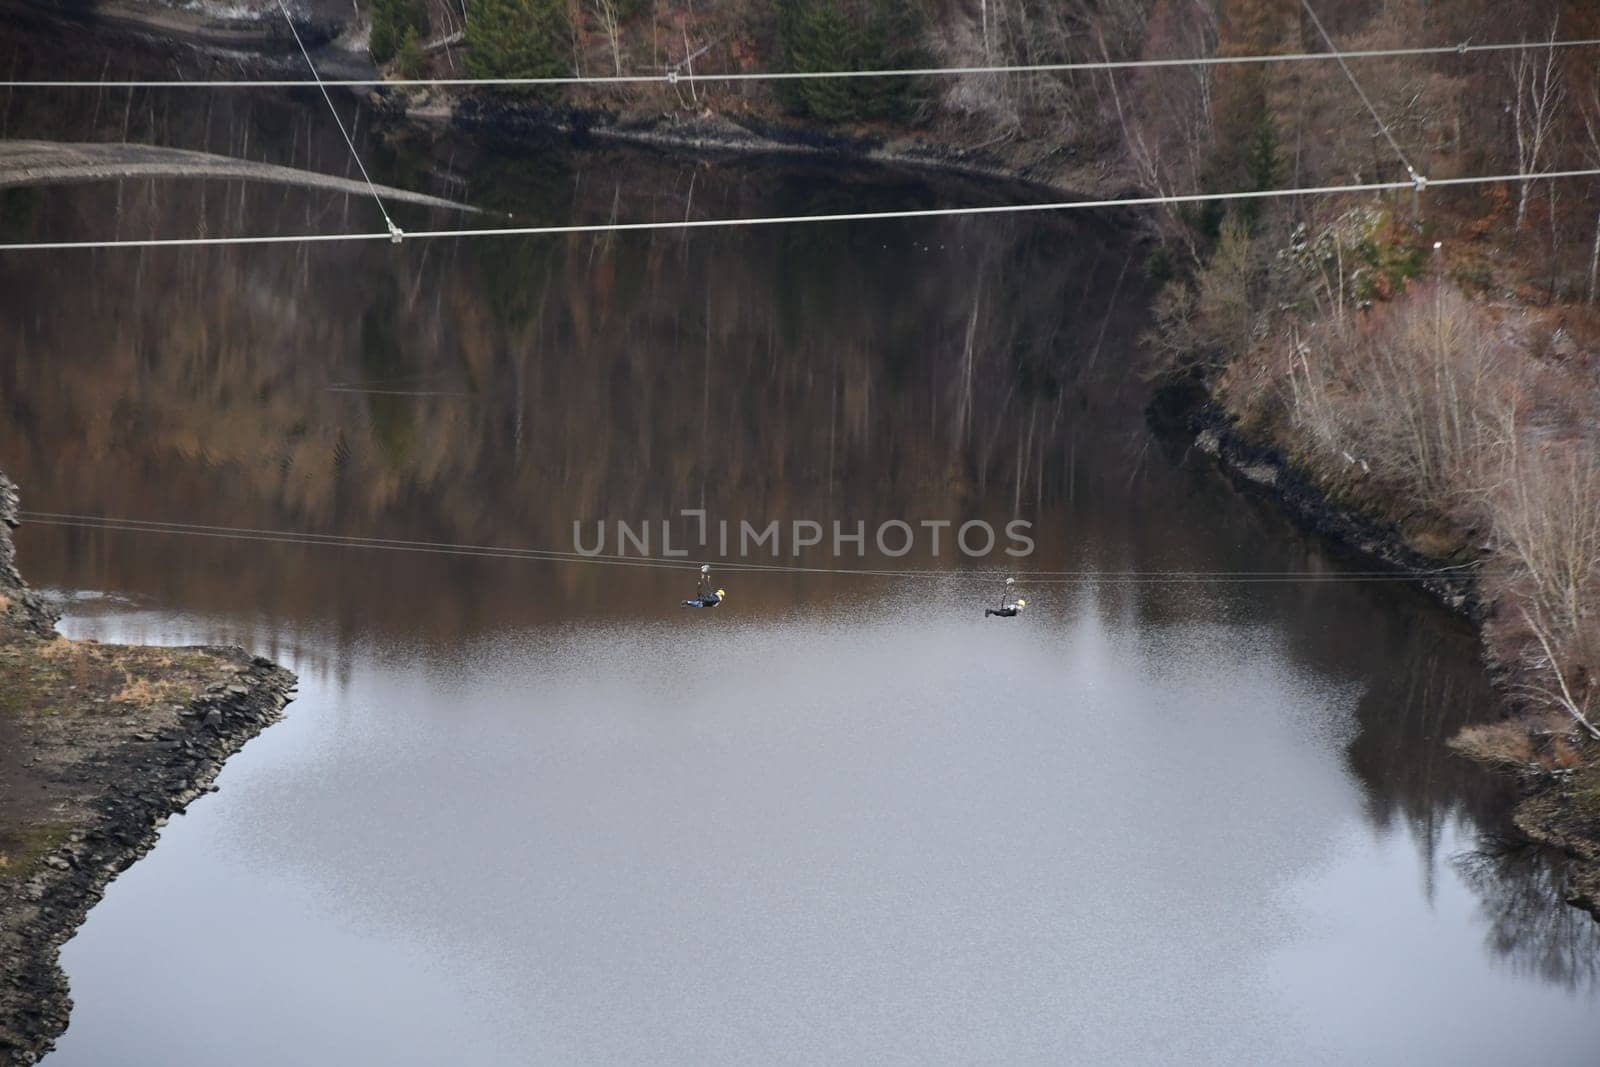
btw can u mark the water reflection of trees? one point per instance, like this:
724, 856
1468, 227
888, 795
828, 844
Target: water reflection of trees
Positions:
786, 367
1421, 681
776, 368
1521, 889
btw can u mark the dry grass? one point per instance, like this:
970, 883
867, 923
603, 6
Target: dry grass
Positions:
1503, 743
144, 691
64, 652
62, 676
75, 662
59, 648
1544, 742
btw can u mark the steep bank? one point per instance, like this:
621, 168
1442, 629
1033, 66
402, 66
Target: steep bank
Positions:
99, 746
1559, 808
1189, 409
22, 609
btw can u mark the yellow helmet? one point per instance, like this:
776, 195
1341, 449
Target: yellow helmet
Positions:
1022, 603
721, 594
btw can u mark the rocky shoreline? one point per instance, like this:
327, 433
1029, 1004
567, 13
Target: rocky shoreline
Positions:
1189, 409
1548, 812
155, 775
1039, 167
89, 779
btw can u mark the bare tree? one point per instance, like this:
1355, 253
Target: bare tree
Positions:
1410, 391
1591, 126
1548, 524
1561, 693
606, 10
1536, 94
1165, 114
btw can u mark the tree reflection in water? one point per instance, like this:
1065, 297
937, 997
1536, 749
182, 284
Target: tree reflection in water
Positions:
1521, 889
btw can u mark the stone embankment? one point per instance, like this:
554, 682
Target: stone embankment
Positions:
99, 746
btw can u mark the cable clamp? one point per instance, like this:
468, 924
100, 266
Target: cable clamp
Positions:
1419, 181
672, 77
396, 234
1461, 49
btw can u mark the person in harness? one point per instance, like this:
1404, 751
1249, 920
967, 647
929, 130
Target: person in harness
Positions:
1008, 609
706, 597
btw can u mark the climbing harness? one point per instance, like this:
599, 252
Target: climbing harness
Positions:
706, 597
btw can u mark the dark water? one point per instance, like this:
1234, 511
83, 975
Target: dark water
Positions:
533, 811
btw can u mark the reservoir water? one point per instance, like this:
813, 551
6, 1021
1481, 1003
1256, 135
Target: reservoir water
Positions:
531, 810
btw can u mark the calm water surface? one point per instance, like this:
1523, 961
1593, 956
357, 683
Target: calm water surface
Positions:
534, 812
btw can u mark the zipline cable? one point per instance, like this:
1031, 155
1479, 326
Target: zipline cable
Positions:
117, 527
1175, 577
302, 536
672, 77
1083, 578
394, 231
783, 220
393, 392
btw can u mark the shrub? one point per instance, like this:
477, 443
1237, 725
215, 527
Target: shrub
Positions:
1227, 289
1415, 391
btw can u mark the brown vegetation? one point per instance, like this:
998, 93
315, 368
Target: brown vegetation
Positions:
1440, 414
49, 677
1426, 358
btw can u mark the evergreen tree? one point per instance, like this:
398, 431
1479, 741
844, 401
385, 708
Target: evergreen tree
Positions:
1244, 93
792, 15
827, 42
517, 38
1244, 152
391, 21
1261, 163
818, 36
893, 41
412, 62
